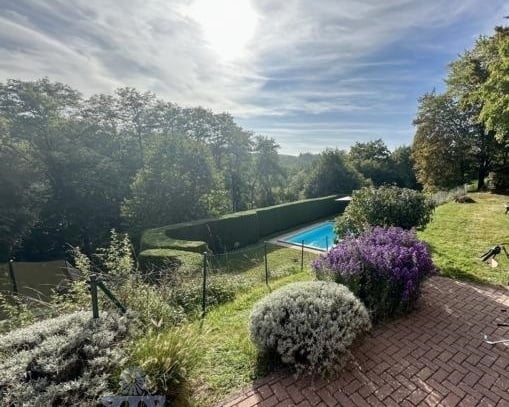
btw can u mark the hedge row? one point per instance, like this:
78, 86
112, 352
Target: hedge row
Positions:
239, 229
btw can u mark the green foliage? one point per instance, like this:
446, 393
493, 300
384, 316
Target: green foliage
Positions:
167, 358
117, 259
494, 92
69, 360
309, 325
385, 206
156, 197
268, 175
373, 161
442, 147
332, 174
17, 311
462, 132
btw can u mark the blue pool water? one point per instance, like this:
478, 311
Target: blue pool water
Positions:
320, 237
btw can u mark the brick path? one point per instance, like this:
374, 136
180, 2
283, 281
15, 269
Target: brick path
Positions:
433, 357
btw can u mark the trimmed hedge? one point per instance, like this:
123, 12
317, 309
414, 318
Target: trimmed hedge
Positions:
274, 219
232, 231
169, 258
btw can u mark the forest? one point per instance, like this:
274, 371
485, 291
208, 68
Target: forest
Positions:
73, 168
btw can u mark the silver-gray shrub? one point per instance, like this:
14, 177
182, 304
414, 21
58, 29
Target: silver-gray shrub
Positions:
69, 360
309, 325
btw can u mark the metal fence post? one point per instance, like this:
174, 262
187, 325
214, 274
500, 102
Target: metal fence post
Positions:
326, 242
93, 293
13, 277
204, 287
110, 295
302, 257
266, 263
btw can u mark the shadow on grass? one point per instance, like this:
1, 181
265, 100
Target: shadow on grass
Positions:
459, 274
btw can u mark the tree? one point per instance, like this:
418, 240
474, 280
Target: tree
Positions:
403, 167
373, 160
442, 146
268, 175
22, 195
471, 84
494, 91
174, 186
332, 174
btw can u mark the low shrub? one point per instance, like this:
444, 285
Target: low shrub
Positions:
309, 325
385, 206
384, 267
69, 360
167, 359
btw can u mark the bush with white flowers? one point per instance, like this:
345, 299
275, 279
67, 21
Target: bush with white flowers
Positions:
309, 325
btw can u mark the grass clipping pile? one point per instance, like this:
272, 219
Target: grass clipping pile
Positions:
309, 325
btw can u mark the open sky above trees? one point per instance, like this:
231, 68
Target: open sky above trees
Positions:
311, 75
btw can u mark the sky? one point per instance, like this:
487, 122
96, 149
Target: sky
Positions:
310, 74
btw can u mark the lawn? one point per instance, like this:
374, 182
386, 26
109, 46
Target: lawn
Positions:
460, 233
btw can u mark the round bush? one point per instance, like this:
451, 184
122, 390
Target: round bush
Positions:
385, 206
384, 268
309, 325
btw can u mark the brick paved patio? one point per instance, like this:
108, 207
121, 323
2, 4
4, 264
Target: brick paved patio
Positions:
433, 357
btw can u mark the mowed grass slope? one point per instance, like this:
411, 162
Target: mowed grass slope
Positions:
460, 233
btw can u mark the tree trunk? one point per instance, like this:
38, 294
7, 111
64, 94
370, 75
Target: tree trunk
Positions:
481, 175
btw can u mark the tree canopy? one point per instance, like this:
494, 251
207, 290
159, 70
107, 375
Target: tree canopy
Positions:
461, 134
73, 168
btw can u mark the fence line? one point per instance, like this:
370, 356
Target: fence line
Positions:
231, 272
441, 197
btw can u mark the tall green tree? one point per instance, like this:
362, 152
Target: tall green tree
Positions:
174, 186
494, 91
22, 194
374, 161
443, 147
403, 167
332, 174
268, 175
467, 82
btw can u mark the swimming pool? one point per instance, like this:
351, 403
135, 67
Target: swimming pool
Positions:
318, 237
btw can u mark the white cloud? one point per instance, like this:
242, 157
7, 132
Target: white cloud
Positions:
292, 57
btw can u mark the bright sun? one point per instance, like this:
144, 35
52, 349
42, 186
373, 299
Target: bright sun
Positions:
227, 25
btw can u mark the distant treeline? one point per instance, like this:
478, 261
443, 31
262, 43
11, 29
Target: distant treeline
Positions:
72, 168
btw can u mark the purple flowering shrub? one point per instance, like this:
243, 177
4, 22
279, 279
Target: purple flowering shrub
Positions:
383, 267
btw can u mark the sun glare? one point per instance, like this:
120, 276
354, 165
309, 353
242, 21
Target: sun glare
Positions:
227, 25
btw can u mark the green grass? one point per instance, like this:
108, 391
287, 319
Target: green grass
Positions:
229, 360
460, 233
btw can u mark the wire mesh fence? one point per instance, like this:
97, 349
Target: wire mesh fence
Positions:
196, 288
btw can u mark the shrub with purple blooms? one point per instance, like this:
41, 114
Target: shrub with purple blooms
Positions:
384, 267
